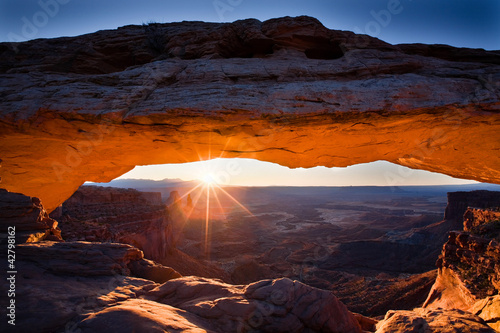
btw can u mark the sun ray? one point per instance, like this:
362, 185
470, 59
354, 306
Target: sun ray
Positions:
195, 200
194, 188
218, 203
235, 200
207, 218
225, 146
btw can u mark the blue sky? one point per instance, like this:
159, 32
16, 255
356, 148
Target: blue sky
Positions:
455, 22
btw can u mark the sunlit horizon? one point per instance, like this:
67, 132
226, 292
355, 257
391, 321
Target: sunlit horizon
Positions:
249, 172
209, 187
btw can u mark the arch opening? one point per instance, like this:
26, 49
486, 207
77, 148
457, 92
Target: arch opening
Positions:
329, 235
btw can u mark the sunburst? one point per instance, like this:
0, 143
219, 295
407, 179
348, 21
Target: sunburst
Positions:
209, 186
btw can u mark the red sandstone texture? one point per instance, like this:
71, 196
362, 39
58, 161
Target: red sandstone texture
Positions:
469, 267
476, 217
288, 91
98, 287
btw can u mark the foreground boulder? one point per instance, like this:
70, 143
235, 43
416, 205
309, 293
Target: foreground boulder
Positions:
489, 310
280, 305
58, 282
138, 315
432, 321
102, 287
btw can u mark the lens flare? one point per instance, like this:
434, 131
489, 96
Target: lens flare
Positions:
210, 185
209, 179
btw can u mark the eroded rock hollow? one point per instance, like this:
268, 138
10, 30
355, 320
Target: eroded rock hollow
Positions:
287, 90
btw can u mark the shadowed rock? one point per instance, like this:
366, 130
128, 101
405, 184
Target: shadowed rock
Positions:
58, 282
90, 286
27, 217
280, 305
469, 267
108, 214
432, 321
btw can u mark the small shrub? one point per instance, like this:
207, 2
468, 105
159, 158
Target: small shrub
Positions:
154, 36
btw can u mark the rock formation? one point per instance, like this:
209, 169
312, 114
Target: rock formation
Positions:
432, 321
27, 216
489, 310
57, 282
459, 203
174, 199
106, 214
428, 240
464, 297
286, 90
280, 305
96, 287
469, 267
476, 219
177, 216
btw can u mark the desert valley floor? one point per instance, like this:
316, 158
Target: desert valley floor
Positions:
374, 247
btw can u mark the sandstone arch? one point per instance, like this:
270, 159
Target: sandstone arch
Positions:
90, 108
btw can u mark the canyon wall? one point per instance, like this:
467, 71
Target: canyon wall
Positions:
469, 264
106, 214
288, 91
459, 202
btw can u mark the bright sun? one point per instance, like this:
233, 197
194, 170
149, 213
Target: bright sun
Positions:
208, 179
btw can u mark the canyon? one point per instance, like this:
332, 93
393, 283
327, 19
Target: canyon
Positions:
105, 285
286, 90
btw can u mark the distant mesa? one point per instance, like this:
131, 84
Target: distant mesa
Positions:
173, 199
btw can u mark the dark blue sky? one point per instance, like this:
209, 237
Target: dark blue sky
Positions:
468, 23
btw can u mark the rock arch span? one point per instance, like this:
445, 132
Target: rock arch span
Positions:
288, 91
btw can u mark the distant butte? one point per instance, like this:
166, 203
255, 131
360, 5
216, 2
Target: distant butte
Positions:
287, 90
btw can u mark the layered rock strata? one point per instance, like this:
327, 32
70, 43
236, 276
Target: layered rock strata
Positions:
104, 214
459, 202
429, 240
469, 268
107, 214
26, 218
286, 90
